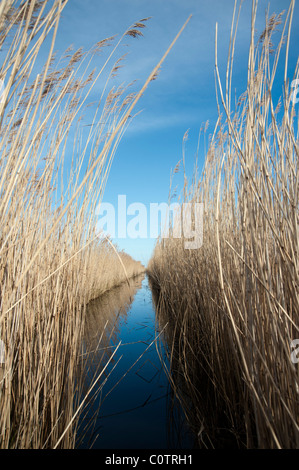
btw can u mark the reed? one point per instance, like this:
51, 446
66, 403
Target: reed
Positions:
52, 177
233, 304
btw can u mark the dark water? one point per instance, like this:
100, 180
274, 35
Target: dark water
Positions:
132, 406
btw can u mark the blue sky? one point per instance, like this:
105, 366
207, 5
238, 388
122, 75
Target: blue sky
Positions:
183, 97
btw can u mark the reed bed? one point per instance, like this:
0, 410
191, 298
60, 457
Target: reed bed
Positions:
233, 304
53, 170
107, 268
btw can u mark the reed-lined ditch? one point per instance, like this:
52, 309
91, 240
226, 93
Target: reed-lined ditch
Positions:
230, 309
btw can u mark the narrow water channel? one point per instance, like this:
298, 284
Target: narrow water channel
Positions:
134, 407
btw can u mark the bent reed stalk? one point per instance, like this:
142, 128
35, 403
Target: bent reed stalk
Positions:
233, 304
52, 261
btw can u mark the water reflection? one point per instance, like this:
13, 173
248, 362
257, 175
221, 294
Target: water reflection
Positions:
103, 318
190, 380
180, 394
133, 406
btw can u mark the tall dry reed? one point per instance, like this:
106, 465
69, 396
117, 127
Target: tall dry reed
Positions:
233, 304
52, 177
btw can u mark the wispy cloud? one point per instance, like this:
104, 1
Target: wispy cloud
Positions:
146, 121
